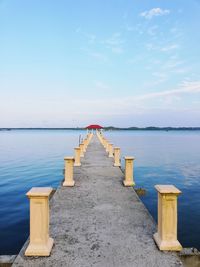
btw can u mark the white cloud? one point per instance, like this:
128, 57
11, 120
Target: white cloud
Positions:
114, 43
152, 106
102, 86
115, 39
129, 28
185, 87
152, 30
125, 105
171, 64
169, 47
98, 56
149, 14
91, 38
117, 50
162, 76
151, 46
182, 70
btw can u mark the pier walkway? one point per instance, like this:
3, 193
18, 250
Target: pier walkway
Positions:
98, 222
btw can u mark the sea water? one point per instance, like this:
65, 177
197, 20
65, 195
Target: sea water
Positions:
35, 158
167, 157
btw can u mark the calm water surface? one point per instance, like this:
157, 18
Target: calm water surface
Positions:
167, 158
28, 158
35, 158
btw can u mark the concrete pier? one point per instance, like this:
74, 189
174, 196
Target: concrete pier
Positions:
99, 222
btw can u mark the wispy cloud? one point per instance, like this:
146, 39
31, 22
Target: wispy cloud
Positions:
129, 28
115, 40
91, 38
152, 30
185, 87
169, 47
115, 43
98, 56
117, 50
125, 105
182, 70
154, 12
160, 75
101, 85
151, 46
166, 48
171, 64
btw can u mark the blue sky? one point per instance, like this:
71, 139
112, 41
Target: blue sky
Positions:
112, 62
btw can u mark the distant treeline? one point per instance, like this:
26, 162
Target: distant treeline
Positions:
152, 128
112, 128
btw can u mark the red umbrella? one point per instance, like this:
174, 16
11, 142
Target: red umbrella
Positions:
94, 126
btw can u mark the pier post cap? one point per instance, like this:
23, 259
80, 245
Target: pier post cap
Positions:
129, 158
167, 189
77, 148
39, 192
68, 158
116, 147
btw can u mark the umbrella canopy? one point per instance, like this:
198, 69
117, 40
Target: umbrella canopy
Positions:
94, 126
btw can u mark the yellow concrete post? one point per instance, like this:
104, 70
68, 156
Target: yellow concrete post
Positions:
117, 157
104, 142
90, 137
86, 143
84, 146
77, 161
166, 237
40, 243
98, 135
110, 150
128, 181
107, 146
69, 172
82, 150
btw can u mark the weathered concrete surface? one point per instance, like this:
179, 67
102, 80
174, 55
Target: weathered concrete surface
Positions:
6, 260
99, 222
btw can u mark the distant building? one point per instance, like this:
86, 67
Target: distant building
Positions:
94, 127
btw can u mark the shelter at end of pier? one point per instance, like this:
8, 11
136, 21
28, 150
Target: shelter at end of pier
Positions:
93, 127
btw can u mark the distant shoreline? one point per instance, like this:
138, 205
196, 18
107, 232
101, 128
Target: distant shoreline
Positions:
111, 128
